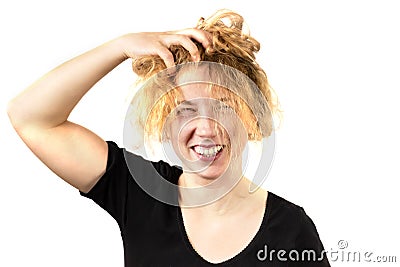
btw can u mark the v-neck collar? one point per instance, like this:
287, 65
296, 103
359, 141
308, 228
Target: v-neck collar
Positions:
238, 256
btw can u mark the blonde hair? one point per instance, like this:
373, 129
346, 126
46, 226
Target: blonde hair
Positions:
254, 100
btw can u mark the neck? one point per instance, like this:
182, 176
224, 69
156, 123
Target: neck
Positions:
215, 198
230, 203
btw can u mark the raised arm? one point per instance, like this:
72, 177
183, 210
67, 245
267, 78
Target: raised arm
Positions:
40, 113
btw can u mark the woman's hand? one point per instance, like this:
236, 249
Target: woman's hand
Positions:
157, 43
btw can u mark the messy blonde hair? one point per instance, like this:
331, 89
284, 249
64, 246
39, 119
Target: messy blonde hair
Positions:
230, 47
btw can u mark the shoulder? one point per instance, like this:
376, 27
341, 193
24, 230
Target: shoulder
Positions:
137, 165
290, 217
295, 222
285, 208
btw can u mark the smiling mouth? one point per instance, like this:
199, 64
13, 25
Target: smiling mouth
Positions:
208, 152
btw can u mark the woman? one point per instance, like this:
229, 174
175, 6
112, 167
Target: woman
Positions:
208, 112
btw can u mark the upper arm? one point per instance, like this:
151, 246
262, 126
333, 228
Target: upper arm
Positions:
71, 151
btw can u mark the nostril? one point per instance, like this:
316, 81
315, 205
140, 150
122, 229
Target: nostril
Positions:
206, 127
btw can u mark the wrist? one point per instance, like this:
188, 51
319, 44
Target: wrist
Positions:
116, 47
122, 45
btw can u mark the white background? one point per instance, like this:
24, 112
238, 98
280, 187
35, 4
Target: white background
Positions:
334, 64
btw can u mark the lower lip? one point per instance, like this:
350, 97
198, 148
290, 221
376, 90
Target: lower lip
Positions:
204, 158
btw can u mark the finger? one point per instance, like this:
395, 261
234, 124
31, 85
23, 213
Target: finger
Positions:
204, 37
187, 43
166, 56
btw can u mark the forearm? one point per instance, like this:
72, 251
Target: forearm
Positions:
49, 101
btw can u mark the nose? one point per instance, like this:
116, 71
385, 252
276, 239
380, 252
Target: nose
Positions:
206, 127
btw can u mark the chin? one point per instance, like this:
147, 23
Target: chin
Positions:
210, 175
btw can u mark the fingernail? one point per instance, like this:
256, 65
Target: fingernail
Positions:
195, 57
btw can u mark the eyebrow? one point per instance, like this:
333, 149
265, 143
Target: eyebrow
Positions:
186, 102
190, 103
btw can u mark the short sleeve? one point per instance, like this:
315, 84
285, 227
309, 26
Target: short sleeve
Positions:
110, 191
118, 193
309, 245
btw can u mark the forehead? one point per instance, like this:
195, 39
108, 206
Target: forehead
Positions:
196, 82
201, 90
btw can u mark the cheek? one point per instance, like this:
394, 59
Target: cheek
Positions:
235, 128
237, 135
179, 133
179, 139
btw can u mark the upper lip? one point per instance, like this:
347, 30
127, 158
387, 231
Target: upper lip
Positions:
207, 145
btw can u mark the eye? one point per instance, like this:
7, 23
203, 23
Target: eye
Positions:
224, 108
185, 111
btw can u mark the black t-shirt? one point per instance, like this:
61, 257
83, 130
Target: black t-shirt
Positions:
153, 232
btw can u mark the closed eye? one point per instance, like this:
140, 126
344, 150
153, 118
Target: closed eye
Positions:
185, 111
223, 108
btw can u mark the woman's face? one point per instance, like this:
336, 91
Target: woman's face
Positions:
205, 131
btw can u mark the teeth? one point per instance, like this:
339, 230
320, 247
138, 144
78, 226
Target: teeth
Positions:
208, 152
